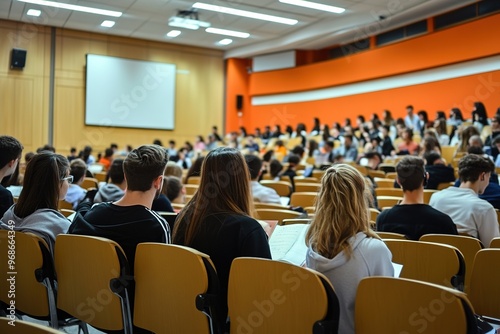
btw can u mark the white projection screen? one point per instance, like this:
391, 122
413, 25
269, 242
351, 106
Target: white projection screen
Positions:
129, 93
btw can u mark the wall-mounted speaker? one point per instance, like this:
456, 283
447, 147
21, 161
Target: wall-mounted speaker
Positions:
239, 102
18, 59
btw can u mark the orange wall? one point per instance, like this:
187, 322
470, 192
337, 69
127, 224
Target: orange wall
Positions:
468, 41
237, 84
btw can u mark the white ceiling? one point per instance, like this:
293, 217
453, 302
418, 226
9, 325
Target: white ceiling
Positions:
147, 19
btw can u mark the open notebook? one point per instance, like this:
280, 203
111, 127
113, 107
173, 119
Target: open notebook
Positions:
288, 243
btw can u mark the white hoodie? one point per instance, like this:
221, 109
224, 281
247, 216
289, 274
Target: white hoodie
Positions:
370, 257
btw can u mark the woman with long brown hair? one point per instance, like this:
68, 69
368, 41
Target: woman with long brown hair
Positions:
217, 221
341, 244
46, 181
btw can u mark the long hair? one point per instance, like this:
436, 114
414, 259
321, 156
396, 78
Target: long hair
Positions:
341, 212
42, 183
224, 188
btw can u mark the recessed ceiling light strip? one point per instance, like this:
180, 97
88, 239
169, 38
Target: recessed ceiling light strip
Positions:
314, 5
245, 13
227, 32
74, 7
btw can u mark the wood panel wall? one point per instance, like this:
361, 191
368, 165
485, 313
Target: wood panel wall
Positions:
24, 94
199, 89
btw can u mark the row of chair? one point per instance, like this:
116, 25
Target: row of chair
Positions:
452, 261
264, 296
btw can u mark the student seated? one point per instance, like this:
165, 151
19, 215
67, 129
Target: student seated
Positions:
114, 189
217, 221
260, 193
412, 217
10, 153
76, 193
174, 190
130, 220
472, 215
341, 244
46, 181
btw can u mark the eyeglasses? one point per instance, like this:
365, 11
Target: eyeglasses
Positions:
68, 178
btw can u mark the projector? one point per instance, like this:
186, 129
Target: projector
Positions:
183, 22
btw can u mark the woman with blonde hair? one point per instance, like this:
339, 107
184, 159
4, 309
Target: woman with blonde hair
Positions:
217, 220
341, 244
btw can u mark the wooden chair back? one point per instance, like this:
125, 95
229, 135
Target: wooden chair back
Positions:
93, 267
390, 305
484, 287
468, 246
167, 298
303, 199
429, 262
289, 299
283, 188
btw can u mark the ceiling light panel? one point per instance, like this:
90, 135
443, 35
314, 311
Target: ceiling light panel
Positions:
173, 33
314, 5
245, 13
74, 7
225, 41
34, 12
108, 24
227, 32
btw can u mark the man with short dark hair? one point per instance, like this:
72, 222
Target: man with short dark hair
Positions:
438, 171
412, 217
260, 193
472, 215
130, 220
10, 153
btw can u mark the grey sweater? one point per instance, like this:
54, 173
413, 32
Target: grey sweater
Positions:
46, 223
108, 193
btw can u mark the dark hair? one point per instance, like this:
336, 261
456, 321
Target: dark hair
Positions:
115, 172
275, 167
144, 164
293, 159
440, 114
195, 168
424, 115
77, 168
472, 165
108, 152
312, 146
224, 187
480, 111
457, 114
254, 165
475, 150
46, 147
431, 157
28, 156
84, 155
299, 150
10, 149
42, 183
157, 142
172, 187
409, 107
268, 155
113, 146
411, 173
